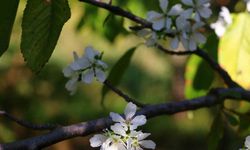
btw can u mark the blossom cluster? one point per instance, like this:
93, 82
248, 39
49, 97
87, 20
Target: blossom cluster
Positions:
123, 134
183, 20
85, 68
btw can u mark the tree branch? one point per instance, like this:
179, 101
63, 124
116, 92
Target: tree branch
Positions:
120, 12
123, 95
216, 96
28, 124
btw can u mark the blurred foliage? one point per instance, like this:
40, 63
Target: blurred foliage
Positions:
42, 98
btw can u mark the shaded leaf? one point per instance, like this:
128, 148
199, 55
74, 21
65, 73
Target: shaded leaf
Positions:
199, 76
118, 70
231, 118
8, 10
216, 132
234, 49
42, 23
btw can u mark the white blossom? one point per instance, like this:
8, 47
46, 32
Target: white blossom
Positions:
123, 135
84, 69
200, 8
130, 121
247, 142
248, 5
163, 20
224, 20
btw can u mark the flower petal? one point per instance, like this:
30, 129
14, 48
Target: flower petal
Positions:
188, 2
174, 43
88, 76
100, 75
130, 110
118, 129
142, 136
116, 117
97, 140
68, 72
175, 10
71, 85
138, 121
91, 53
147, 144
164, 5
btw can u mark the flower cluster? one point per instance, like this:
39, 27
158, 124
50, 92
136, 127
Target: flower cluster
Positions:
84, 69
222, 23
183, 21
123, 134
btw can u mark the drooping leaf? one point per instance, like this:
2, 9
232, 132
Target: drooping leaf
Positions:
199, 76
234, 49
118, 70
216, 132
42, 23
8, 9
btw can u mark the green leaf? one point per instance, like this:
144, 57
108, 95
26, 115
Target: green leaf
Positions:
199, 76
216, 132
234, 49
232, 118
42, 23
118, 70
8, 9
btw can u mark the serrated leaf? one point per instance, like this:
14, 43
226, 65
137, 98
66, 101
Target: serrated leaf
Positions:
216, 132
199, 76
42, 23
234, 49
8, 9
118, 70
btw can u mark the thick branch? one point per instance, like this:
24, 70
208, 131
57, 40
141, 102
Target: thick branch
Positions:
215, 97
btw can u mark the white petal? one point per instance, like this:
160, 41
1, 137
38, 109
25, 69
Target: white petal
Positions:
187, 13
142, 136
205, 12
147, 144
130, 110
138, 121
97, 140
197, 17
88, 76
102, 64
68, 72
118, 129
188, 2
143, 32
192, 45
174, 43
71, 85
91, 53
158, 24
175, 10
100, 75
247, 142
164, 5
116, 117
157, 19
168, 23
199, 38
152, 15
80, 64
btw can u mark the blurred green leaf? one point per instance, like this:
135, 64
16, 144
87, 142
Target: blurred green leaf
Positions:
234, 53
216, 132
118, 70
231, 118
8, 10
199, 76
41, 27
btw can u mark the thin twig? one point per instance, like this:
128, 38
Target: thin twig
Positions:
120, 12
28, 124
123, 95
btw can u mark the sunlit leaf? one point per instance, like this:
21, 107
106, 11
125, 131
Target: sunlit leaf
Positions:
118, 70
234, 49
8, 9
199, 76
42, 23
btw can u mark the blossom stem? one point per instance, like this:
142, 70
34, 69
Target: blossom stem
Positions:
123, 95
